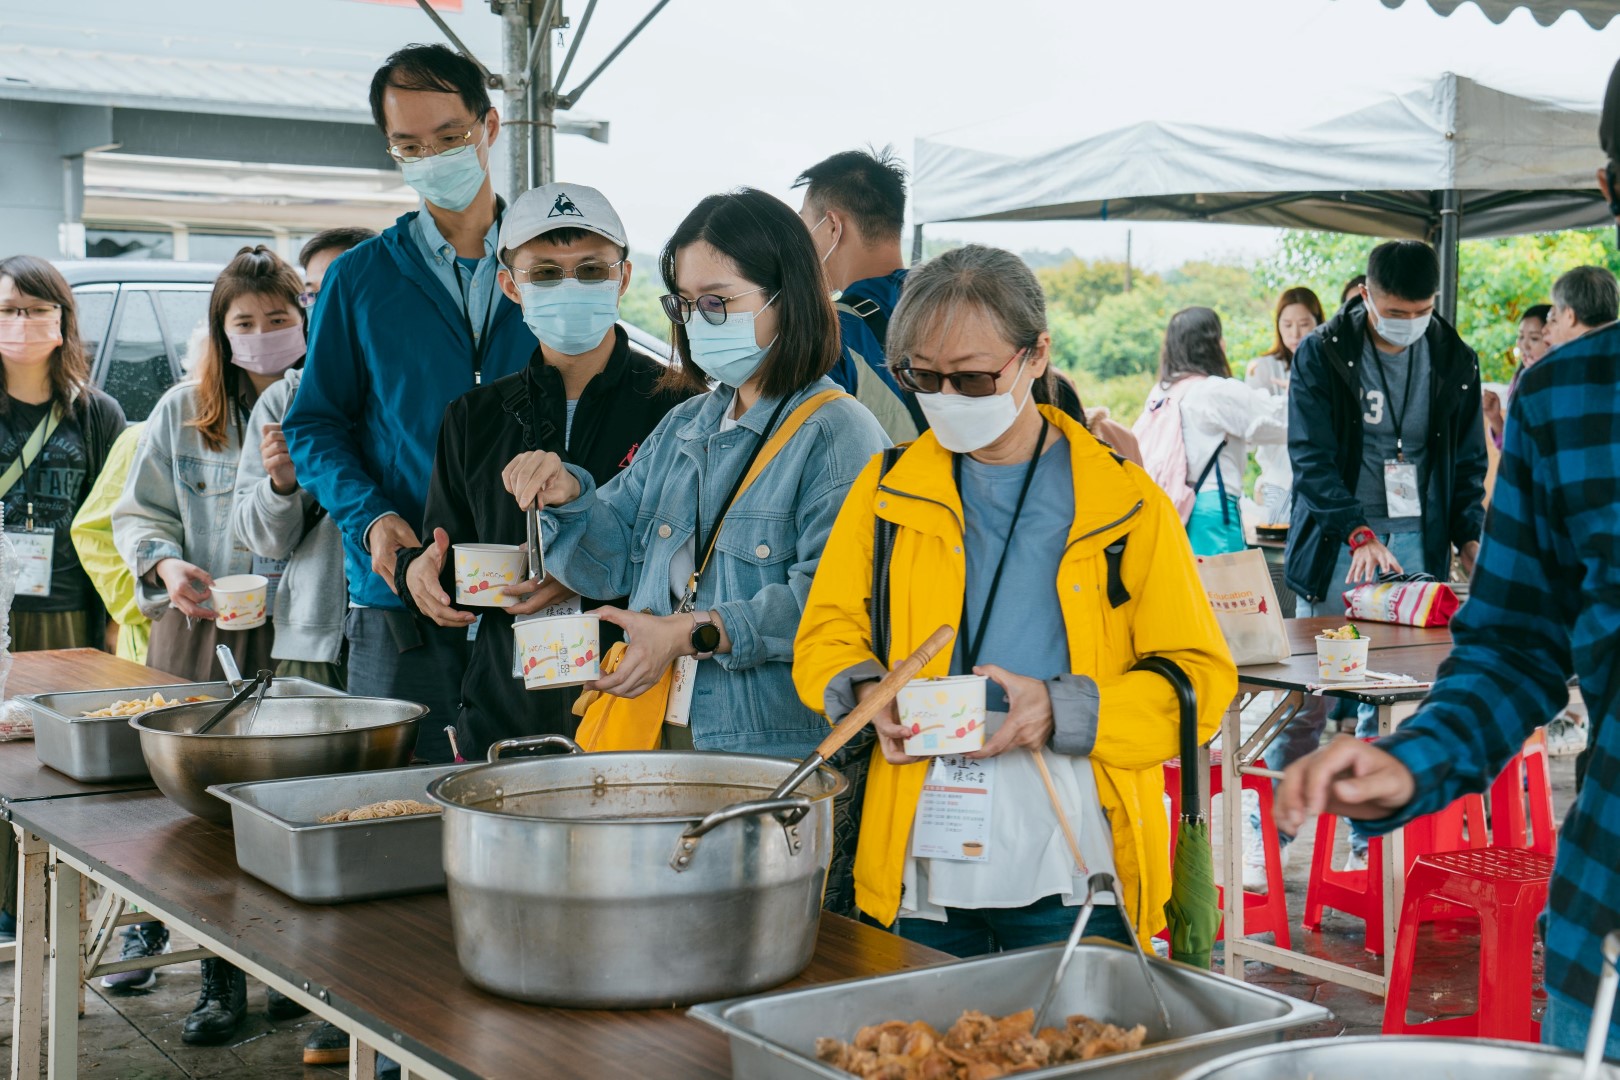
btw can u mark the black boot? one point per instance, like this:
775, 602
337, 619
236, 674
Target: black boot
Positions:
279, 1006
221, 1004
328, 1044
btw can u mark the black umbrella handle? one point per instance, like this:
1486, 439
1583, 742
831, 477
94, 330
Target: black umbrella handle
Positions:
1191, 810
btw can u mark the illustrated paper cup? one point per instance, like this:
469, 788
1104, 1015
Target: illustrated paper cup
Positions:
944, 716
560, 651
239, 601
483, 570
1340, 660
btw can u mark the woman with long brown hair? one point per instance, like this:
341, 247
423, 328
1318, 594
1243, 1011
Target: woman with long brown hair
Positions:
1297, 314
55, 433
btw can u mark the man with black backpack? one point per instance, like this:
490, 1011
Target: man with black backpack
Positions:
855, 209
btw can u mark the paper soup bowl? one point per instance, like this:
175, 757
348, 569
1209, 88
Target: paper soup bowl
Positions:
561, 650
483, 570
1341, 661
944, 716
239, 601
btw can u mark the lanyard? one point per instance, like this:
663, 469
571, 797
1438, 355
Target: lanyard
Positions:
478, 341
703, 549
975, 641
1397, 416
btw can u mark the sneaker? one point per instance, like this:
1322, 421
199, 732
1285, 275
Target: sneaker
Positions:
328, 1044
1356, 861
1566, 734
140, 941
221, 1005
1254, 862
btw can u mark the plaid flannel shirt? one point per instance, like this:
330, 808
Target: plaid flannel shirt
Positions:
1545, 602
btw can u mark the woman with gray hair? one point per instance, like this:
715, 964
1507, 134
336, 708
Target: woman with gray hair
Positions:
1009, 521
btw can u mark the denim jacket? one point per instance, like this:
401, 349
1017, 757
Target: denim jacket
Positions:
619, 540
177, 500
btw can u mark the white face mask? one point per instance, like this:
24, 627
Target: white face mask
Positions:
964, 424
1398, 332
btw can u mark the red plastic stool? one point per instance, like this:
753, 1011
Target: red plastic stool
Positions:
1360, 893
1507, 889
1525, 778
1265, 912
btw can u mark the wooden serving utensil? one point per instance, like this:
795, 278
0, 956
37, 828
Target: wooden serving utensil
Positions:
1057, 808
862, 714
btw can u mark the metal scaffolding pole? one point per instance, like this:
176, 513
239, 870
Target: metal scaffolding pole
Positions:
543, 145
1450, 243
515, 129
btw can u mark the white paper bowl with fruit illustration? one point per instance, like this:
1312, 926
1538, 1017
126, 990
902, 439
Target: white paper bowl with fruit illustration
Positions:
484, 570
562, 650
1341, 659
943, 716
239, 601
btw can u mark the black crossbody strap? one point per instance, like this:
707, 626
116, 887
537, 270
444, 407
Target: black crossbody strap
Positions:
883, 534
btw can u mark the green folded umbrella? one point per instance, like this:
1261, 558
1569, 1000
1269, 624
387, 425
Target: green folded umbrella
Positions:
1194, 907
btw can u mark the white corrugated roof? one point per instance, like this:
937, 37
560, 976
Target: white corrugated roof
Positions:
191, 84
1597, 13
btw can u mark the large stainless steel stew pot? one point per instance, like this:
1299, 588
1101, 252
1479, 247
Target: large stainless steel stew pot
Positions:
285, 737
1415, 1055
633, 880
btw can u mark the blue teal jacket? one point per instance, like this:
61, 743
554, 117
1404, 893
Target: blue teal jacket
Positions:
619, 540
388, 351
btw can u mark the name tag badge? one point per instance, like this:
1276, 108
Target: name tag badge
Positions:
953, 816
568, 605
36, 550
271, 570
678, 712
1401, 489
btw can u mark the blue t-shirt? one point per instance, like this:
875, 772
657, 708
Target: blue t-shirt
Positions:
1025, 633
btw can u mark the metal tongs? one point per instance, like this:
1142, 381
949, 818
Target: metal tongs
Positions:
1099, 883
261, 683
1597, 1034
227, 664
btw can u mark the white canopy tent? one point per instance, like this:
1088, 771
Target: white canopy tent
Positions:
1597, 13
1438, 160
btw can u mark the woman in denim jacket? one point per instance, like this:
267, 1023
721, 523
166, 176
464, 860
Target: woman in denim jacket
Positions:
750, 309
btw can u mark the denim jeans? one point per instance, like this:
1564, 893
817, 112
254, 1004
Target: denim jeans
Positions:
1566, 1022
981, 931
394, 654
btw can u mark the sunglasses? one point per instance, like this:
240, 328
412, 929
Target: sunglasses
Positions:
552, 274
711, 307
966, 383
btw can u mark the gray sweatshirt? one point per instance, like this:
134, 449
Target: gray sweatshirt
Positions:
312, 598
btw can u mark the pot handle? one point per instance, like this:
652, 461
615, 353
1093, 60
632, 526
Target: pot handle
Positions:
789, 811
534, 742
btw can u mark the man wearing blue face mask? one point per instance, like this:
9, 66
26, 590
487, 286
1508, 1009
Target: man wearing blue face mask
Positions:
587, 395
407, 322
1385, 438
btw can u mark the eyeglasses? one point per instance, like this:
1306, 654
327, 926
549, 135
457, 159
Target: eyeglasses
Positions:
711, 307
442, 146
966, 383
552, 274
32, 313
307, 298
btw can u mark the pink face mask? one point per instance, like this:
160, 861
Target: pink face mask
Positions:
269, 353
26, 341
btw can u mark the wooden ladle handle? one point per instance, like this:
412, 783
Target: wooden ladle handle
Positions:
879, 699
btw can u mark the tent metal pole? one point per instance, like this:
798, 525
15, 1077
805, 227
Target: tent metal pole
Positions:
515, 101
1450, 251
916, 244
543, 136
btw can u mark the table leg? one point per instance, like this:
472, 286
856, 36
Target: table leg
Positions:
1232, 831
62, 1053
28, 991
362, 1060
1394, 868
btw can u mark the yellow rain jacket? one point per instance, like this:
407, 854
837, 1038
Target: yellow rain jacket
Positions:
1167, 614
92, 539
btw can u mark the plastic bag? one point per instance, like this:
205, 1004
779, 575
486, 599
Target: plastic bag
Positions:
16, 721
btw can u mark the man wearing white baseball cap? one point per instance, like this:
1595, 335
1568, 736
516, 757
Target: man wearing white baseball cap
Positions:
587, 395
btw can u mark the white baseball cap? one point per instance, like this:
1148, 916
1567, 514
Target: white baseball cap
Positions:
559, 206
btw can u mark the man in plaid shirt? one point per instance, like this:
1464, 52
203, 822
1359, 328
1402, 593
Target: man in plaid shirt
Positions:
1545, 603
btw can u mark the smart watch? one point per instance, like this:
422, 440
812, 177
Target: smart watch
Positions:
705, 635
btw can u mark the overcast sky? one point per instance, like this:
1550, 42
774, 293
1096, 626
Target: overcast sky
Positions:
717, 93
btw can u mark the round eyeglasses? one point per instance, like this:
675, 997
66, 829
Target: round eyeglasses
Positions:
711, 307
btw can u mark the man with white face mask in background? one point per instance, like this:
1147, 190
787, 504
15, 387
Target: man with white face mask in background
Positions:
408, 322
587, 395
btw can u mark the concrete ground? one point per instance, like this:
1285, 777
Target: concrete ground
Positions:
136, 1036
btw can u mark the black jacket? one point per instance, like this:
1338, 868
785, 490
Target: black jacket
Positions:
485, 429
1324, 444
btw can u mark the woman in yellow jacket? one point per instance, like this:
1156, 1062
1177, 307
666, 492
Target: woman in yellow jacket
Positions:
1062, 565
92, 539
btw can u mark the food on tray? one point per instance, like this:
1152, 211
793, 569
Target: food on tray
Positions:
1343, 633
385, 809
136, 706
977, 1047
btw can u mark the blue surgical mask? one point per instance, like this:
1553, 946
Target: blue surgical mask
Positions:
448, 181
570, 317
728, 353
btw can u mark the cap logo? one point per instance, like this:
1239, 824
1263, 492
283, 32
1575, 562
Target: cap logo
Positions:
564, 207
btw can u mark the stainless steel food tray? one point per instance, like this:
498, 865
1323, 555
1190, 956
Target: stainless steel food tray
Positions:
280, 841
1401, 1055
104, 749
773, 1036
